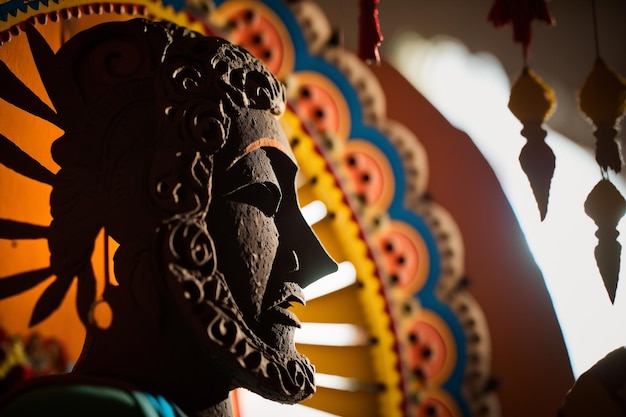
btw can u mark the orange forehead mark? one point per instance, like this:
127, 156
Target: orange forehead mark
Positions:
264, 143
261, 143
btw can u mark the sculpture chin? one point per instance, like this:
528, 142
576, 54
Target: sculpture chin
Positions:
278, 374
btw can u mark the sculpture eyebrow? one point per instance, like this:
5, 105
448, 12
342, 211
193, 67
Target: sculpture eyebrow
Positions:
260, 143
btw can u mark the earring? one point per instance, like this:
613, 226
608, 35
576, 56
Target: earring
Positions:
100, 314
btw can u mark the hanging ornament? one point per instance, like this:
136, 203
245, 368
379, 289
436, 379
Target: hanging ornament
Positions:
370, 36
532, 101
520, 13
602, 99
606, 206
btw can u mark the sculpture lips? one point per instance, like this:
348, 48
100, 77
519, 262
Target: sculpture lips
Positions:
287, 293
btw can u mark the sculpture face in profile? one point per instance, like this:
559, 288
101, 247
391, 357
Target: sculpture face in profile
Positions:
172, 145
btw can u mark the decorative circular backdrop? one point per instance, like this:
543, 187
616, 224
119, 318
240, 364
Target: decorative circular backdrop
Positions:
402, 316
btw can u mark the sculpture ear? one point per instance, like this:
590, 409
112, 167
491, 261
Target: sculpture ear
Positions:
144, 289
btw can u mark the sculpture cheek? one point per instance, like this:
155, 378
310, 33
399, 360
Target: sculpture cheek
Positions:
256, 247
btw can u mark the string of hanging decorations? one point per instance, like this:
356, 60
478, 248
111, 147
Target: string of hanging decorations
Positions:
532, 101
602, 99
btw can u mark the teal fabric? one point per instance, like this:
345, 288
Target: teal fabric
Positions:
88, 401
162, 406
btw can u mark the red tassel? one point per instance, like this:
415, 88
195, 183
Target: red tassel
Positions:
370, 36
520, 13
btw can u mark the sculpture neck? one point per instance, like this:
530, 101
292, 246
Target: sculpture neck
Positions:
221, 409
160, 356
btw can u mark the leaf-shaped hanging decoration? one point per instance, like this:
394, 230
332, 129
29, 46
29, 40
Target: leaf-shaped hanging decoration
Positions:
602, 99
606, 206
532, 102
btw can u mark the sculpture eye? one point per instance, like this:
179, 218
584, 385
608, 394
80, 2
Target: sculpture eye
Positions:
265, 196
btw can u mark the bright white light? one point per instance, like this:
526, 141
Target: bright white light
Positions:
314, 212
337, 382
331, 334
251, 404
343, 383
452, 78
342, 278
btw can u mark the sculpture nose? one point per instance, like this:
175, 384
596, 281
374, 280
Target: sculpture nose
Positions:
301, 254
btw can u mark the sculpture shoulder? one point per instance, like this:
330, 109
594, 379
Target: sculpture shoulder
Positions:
81, 398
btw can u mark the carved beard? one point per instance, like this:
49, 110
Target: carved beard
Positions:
280, 375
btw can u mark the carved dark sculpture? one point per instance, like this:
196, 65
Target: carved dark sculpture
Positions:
172, 145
